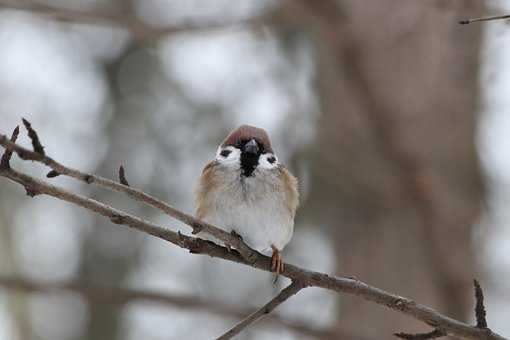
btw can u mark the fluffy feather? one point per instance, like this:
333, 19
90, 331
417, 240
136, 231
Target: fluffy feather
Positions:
260, 207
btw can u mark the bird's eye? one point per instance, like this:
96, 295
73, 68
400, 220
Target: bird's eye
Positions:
271, 159
225, 153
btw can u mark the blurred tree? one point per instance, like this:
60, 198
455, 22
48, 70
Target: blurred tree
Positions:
396, 179
108, 254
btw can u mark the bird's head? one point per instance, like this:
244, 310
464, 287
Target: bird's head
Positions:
247, 148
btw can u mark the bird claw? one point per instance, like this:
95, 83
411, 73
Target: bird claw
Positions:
236, 235
233, 233
276, 261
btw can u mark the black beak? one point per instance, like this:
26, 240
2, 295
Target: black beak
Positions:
251, 147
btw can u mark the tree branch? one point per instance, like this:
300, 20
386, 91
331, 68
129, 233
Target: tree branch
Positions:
138, 29
196, 225
304, 277
286, 293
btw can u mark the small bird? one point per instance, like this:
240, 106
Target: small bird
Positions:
246, 190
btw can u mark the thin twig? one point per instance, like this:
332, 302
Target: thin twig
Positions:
286, 293
195, 224
481, 320
421, 336
496, 17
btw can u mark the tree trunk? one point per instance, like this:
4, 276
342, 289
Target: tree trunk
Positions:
396, 181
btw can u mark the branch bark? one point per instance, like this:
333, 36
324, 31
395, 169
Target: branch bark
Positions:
286, 293
302, 276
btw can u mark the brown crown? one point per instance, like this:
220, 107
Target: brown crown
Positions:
245, 133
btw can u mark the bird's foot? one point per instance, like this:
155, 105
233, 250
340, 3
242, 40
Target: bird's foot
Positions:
276, 261
236, 235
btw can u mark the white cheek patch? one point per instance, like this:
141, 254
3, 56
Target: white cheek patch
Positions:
233, 158
268, 161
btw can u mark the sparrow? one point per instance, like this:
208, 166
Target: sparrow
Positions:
245, 190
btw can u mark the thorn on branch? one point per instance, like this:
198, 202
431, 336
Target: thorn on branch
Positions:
6, 157
33, 137
122, 176
52, 174
481, 321
421, 336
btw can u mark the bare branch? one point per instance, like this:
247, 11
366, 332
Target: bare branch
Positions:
481, 321
286, 293
138, 195
138, 29
198, 246
496, 17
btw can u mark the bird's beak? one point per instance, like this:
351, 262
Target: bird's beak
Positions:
251, 147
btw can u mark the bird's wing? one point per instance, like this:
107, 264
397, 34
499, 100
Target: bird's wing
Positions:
204, 186
291, 193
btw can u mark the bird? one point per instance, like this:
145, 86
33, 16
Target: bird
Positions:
246, 191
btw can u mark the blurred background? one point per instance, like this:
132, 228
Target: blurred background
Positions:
393, 116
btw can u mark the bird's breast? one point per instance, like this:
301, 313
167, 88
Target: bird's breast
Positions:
252, 206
